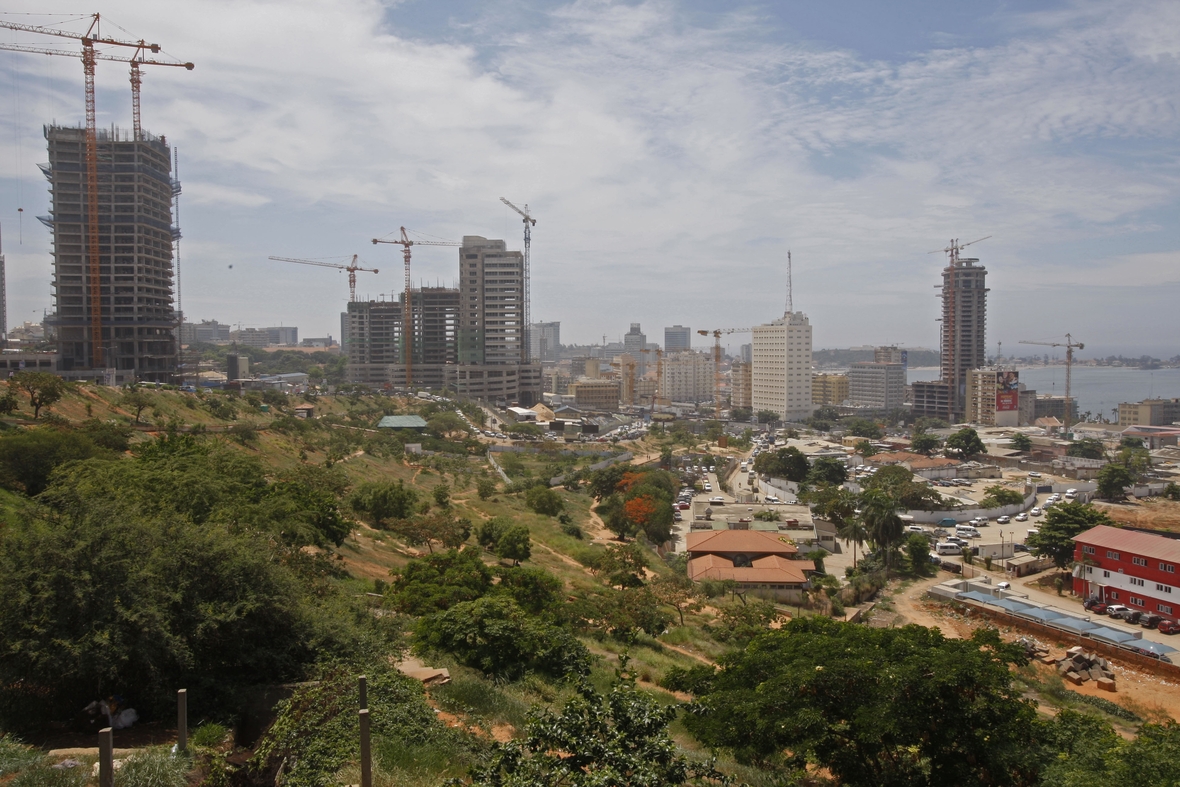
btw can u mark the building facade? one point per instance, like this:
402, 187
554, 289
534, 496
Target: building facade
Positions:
491, 285
1050, 406
687, 377
993, 397
741, 385
876, 385
964, 324
888, 354
544, 341
376, 339
931, 399
634, 344
1149, 412
602, 395
124, 318
829, 389
677, 338
781, 376
1128, 567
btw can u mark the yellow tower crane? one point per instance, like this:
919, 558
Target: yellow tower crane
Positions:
1070, 345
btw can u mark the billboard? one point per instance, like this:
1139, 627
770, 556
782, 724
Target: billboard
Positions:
905, 359
1007, 391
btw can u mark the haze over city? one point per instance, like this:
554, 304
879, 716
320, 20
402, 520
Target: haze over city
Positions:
671, 152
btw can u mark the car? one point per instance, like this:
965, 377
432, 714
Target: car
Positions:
720, 501
1150, 621
1132, 617
1020, 547
1116, 611
1098, 608
1021, 517
1004, 585
954, 568
915, 529
1035, 511
1003, 520
1034, 475
1089, 603
1166, 626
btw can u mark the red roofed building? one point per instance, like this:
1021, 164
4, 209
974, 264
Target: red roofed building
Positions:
1128, 567
759, 561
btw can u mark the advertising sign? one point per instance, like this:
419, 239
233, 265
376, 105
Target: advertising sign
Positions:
905, 359
1007, 391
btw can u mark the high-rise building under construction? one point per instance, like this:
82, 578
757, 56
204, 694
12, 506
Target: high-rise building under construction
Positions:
130, 308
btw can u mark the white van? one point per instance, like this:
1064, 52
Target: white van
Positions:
943, 548
966, 531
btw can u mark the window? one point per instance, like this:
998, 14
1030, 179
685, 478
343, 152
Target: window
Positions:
1088, 550
1138, 602
1112, 555
1139, 561
1168, 567
1136, 581
1163, 588
1114, 594
1164, 608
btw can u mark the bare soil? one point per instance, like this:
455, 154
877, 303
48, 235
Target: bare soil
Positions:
1152, 513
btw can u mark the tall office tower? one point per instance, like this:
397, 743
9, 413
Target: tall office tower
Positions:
130, 306
544, 340
964, 322
687, 377
634, 343
781, 374
491, 325
747, 352
880, 386
678, 338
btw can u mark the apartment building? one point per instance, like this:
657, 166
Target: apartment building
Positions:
876, 385
829, 389
1128, 567
741, 385
1149, 412
993, 397
781, 375
601, 395
687, 377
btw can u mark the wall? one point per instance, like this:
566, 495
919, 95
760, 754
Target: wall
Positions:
932, 517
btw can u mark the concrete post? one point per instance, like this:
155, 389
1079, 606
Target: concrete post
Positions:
363, 687
106, 765
182, 720
366, 754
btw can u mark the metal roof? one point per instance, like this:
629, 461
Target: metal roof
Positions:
1132, 541
1116, 636
402, 422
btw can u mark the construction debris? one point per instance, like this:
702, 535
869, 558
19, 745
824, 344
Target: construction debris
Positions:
1077, 665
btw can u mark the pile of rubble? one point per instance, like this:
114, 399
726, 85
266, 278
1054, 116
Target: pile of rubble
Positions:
1077, 665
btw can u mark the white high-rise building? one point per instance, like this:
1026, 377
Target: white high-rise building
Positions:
781, 368
687, 377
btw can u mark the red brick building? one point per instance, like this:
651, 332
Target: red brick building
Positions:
1120, 566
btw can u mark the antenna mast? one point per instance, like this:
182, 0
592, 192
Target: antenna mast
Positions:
790, 299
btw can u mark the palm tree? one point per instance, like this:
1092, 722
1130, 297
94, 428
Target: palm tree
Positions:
852, 529
841, 511
884, 526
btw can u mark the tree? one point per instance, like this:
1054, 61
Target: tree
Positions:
439, 582
620, 739
621, 565
925, 444
1020, 442
1089, 448
996, 496
1089, 752
611, 511
852, 530
884, 526
863, 427
488, 533
442, 495
917, 549
865, 448
899, 706
383, 501
544, 501
965, 444
534, 589
29, 457
826, 470
494, 635
741, 414
788, 463
485, 488
446, 424
514, 544
135, 400
1113, 480
43, 389
1062, 523
677, 591
767, 416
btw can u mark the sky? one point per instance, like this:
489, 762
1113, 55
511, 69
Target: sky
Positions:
671, 152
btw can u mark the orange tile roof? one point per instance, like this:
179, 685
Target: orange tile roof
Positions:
771, 570
739, 541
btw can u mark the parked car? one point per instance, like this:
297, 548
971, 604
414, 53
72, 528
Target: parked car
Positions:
1132, 617
1090, 602
1022, 517
1004, 585
1003, 520
1098, 608
1034, 475
1035, 511
1150, 621
954, 568
1114, 610
1166, 626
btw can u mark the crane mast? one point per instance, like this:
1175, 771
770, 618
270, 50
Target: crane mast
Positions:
526, 306
1070, 345
717, 334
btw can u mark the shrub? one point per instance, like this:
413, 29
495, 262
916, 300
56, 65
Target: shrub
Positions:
209, 735
544, 501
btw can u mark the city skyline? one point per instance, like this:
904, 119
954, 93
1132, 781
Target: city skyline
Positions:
860, 146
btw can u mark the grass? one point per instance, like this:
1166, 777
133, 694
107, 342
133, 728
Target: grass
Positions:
44, 775
476, 697
15, 756
209, 735
156, 767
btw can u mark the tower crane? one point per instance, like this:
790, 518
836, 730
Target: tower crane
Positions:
89, 57
352, 268
526, 320
1070, 345
717, 334
408, 310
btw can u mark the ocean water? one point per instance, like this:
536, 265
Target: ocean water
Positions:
1098, 389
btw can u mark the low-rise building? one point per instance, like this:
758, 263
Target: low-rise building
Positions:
1149, 412
602, 395
759, 562
1128, 567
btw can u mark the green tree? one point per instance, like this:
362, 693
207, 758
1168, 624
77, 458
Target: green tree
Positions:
917, 549
899, 706
485, 488
620, 739
1089, 448
488, 533
996, 496
43, 389
29, 457
621, 565
884, 526
544, 501
865, 448
1020, 442
534, 589
1113, 480
494, 635
767, 417
136, 401
788, 463
925, 443
383, 501
107, 434
440, 581
677, 591
863, 427
445, 425
741, 414
965, 444
514, 544
1062, 523
826, 470
442, 495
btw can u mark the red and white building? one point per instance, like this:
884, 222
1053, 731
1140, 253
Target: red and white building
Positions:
1120, 566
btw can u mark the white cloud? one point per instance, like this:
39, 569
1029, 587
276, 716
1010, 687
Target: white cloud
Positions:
215, 194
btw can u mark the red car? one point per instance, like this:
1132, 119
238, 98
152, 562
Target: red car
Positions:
1098, 608
1168, 627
